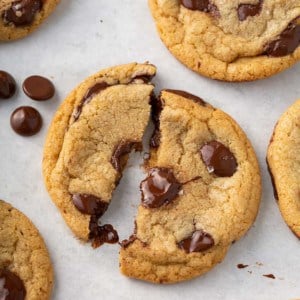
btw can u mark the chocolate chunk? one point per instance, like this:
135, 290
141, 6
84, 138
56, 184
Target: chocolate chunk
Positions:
270, 276
287, 42
242, 266
11, 286
156, 108
7, 85
187, 96
26, 121
199, 241
122, 150
96, 89
249, 10
218, 159
38, 88
89, 204
102, 234
273, 182
202, 5
159, 188
22, 12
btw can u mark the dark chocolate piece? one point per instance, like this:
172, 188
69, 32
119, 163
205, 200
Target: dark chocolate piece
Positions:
199, 241
26, 121
218, 159
38, 88
156, 108
159, 188
22, 12
89, 204
273, 181
242, 266
187, 96
7, 85
202, 5
11, 286
270, 276
249, 10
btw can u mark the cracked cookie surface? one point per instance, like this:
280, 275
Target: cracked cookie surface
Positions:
18, 18
284, 165
238, 40
88, 143
23, 253
204, 190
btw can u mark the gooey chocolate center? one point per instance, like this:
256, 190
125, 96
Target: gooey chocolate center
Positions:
11, 286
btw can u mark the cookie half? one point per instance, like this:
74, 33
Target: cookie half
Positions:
19, 18
231, 40
284, 165
201, 194
88, 144
25, 267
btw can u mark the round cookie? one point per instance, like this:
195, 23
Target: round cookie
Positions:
201, 194
25, 267
284, 165
18, 18
88, 143
238, 40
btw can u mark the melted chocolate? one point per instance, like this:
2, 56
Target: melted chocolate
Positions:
26, 121
242, 266
199, 241
187, 96
159, 188
11, 286
270, 276
156, 108
287, 42
22, 12
249, 10
218, 159
124, 148
89, 204
7, 85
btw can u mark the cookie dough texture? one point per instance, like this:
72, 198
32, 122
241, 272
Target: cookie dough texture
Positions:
219, 45
78, 152
284, 164
9, 31
23, 252
224, 207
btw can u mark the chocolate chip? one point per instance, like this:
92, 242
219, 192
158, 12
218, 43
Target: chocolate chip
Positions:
270, 276
156, 108
22, 12
159, 188
102, 234
273, 182
121, 150
287, 42
89, 204
249, 10
187, 96
38, 88
7, 85
11, 286
218, 159
96, 89
202, 5
199, 241
26, 121
242, 266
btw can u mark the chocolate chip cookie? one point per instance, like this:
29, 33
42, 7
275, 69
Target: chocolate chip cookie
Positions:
18, 18
25, 267
284, 165
201, 194
237, 40
88, 144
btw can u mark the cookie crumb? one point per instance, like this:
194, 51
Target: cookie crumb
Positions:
242, 266
270, 276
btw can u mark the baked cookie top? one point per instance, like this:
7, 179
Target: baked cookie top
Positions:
18, 18
25, 267
201, 194
284, 165
88, 143
231, 40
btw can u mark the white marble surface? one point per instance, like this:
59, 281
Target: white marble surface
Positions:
78, 40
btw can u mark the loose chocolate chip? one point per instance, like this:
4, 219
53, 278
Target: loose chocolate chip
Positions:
22, 12
26, 121
102, 234
249, 10
159, 188
7, 85
218, 159
199, 241
120, 151
96, 89
187, 96
11, 286
242, 266
202, 5
38, 88
89, 204
270, 276
287, 42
